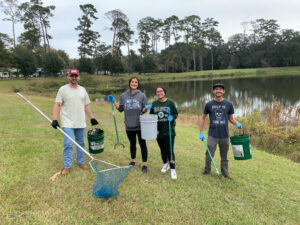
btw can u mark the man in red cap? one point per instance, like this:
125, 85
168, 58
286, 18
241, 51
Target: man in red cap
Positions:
72, 101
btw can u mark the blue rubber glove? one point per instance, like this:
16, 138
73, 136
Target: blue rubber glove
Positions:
201, 136
170, 118
111, 99
238, 125
148, 106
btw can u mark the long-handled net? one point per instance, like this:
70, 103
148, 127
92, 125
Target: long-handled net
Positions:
109, 176
108, 179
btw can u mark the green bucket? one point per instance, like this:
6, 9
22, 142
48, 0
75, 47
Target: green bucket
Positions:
241, 147
96, 141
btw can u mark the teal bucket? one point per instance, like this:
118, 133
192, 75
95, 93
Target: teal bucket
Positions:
96, 141
241, 147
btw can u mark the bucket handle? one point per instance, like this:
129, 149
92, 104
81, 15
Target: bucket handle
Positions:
101, 128
240, 131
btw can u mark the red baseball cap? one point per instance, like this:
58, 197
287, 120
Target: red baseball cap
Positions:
73, 71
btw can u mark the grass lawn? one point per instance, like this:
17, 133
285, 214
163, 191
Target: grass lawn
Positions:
264, 190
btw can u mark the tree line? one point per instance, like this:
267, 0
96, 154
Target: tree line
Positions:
190, 43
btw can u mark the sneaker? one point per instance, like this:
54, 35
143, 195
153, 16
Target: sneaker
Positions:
165, 168
144, 169
132, 163
205, 172
65, 171
228, 177
173, 174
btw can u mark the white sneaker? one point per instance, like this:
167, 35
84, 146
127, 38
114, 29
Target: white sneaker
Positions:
173, 174
165, 168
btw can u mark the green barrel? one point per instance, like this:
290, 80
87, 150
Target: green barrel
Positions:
96, 141
241, 147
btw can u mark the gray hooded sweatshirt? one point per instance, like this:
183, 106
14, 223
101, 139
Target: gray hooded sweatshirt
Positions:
132, 105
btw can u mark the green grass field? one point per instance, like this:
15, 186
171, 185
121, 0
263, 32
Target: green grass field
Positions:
264, 190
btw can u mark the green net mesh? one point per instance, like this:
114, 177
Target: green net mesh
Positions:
108, 178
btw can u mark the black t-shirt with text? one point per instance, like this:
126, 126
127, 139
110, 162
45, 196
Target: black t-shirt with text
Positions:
161, 110
218, 116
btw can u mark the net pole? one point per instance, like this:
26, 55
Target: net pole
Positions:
64, 133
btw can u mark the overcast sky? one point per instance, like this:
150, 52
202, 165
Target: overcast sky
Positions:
229, 14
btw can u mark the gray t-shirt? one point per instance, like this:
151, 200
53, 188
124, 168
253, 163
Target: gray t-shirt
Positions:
132, 105
218, 116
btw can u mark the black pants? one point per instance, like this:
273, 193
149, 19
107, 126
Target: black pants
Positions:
132, 139
164, 145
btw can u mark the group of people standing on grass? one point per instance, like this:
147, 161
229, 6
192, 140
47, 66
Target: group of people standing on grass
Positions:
72, 102
133, 103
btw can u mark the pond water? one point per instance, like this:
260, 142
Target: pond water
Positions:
246, 94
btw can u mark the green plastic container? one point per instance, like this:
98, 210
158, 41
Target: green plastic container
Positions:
96, 142
241, 147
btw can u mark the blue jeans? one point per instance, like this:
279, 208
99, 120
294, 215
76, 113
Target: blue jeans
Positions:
68, 146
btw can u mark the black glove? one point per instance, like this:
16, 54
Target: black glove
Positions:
94, 122
55, 124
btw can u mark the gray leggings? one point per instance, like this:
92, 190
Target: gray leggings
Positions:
212, 146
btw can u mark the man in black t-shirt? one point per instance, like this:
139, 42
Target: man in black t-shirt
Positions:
220, 112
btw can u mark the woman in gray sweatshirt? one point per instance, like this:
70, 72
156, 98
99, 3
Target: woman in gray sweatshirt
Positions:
133, 102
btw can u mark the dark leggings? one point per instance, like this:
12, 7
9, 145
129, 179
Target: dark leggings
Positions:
164, 145
132, 139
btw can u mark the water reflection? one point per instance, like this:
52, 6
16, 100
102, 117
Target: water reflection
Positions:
246, 94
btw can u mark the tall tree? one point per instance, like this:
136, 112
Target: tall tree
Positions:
287, 50
11, 9
213, 37
101, 51
121, 31
86, 65
135, 63
53, 63
44, 13
149, 34
263, 29
126, 37
264, 36
36, 23
31, 37
190, 25
156, 25
170, 28
25, 60
65, 58
6, 56
144, 36
87, 38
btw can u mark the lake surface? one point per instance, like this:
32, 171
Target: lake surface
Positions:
246, 94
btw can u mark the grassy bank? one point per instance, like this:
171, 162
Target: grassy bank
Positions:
100, 85
221, 74
264, 190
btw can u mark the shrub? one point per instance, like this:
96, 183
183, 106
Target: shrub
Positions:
276, 130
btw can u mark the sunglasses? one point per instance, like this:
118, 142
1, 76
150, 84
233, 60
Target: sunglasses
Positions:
73, 75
